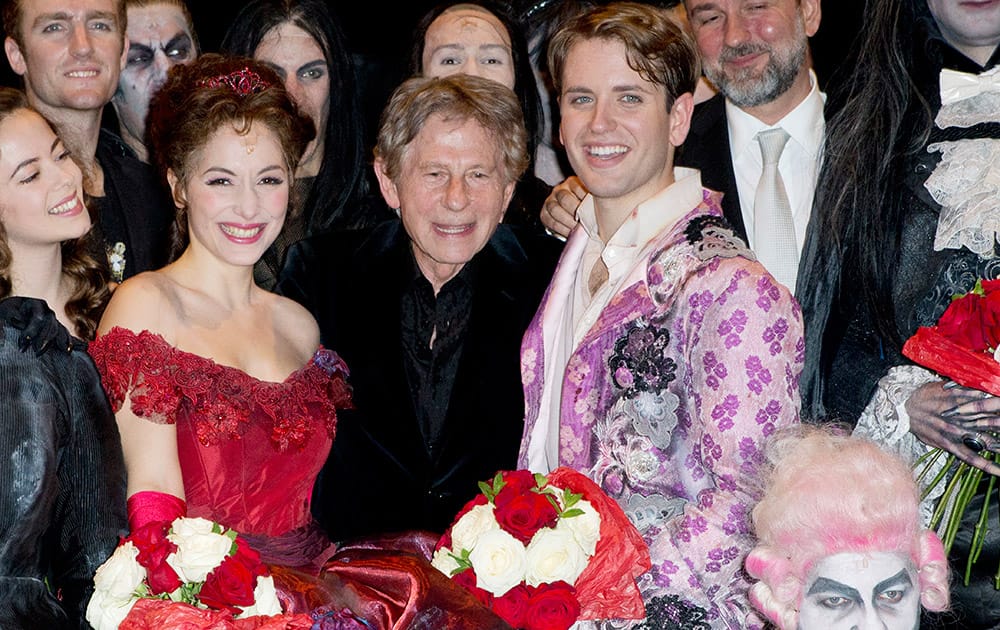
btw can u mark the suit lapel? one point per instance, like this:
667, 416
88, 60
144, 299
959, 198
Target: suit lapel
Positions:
379, 280
707, 149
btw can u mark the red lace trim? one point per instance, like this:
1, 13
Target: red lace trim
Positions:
159, 380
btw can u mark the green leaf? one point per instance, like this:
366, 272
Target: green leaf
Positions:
486, 490
571, 498
541, 480
571, 513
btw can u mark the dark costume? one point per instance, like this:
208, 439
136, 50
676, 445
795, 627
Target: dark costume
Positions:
353, 284
854, 355
136, 211
846, 353
63, 503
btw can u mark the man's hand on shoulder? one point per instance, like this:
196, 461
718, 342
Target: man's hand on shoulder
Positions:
559, 210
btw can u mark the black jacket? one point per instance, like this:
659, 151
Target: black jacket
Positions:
379, 477
707, 149
62, 500
136, 209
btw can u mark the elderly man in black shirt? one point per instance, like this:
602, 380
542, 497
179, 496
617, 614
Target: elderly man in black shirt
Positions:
428, 311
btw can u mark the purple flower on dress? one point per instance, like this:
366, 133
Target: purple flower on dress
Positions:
759, 375
640, 363
715, 369
730, 328
774, 335
729, 406
767, 293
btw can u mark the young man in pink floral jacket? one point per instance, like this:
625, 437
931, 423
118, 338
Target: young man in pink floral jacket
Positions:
663, 354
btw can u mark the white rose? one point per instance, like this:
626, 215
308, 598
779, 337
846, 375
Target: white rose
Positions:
105, 612
498, 561
444, 562
265, 599
586, 527
466, 532
199, 550
554, 555
120, 574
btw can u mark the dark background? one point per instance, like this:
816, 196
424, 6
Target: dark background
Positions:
379, 34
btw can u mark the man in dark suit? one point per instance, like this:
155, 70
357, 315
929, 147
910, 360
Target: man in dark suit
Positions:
758, 60
428, 311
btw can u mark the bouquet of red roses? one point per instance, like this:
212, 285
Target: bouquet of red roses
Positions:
545, 551
963, 346
189, 560
963, 343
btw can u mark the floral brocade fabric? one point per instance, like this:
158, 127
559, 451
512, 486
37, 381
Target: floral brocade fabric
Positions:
249, 450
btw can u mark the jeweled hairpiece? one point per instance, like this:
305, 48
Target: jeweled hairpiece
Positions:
243, 81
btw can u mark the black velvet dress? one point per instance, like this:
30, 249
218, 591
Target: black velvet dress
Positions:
62, 477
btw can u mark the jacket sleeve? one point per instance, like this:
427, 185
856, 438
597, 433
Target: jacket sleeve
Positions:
743, 356
90, 508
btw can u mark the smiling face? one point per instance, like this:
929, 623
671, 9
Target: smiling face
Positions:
299, 61
971, 27
41, 188
72, 53
236, 194
754, 51
451, 192
861, 590
619, 135
469, 40
160, 38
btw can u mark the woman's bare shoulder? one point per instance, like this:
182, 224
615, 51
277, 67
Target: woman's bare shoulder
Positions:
143, 302
296, 324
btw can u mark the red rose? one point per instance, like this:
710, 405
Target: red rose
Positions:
989, 286
467, 580
552, 607
229, 585
512, 606
523, 515
516, 483
962, 323
154, 547
249, 557
990, 317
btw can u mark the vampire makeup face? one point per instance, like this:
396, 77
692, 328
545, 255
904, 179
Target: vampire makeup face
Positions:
861, 591
160, 38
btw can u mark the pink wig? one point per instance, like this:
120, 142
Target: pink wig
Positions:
827, 494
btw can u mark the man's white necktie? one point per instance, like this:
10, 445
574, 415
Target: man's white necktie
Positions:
773, 230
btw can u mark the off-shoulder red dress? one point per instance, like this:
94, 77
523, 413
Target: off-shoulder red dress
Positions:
250, 451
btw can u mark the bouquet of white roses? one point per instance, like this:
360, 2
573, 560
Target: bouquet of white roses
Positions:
543, 552
190, 560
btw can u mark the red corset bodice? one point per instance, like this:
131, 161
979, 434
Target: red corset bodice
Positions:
249, 450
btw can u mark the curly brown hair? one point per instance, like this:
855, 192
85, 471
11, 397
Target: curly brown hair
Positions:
89, 277
206, 95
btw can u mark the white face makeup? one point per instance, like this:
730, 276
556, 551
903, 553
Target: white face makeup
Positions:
861, 591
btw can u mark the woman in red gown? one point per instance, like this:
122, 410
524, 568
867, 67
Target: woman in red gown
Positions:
226, 407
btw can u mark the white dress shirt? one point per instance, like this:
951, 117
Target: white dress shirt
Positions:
799, 163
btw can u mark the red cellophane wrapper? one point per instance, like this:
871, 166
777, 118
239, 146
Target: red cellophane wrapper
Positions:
606, 589
978, 370
154, 614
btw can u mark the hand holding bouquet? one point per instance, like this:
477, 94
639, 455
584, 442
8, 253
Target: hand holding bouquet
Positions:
963, 346
543, 552
189, 560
